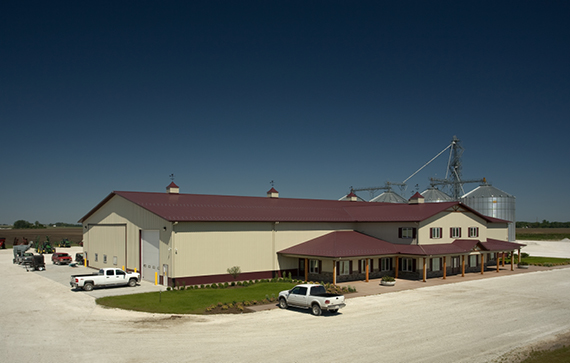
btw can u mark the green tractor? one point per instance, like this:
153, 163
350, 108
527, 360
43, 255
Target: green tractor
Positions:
45, 247
64, 243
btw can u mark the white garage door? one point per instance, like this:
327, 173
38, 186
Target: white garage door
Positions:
150, 255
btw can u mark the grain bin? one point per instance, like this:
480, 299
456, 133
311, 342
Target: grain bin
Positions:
434, 195
493, 202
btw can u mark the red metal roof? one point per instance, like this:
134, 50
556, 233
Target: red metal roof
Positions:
355, 244
200, 207
342, 244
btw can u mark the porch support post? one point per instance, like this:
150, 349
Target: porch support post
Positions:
396, 269
367, 269
497, 263
334, 272
482, 263
425, 264
503, 258
512, 260
519, 261
444, 267
462, 265
306, 269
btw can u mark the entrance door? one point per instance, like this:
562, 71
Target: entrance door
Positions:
150, 255
455, 265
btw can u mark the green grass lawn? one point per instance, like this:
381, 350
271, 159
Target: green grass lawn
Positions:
561, 355
193, 301
532, 260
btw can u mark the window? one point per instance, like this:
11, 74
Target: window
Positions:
406, 232
455, 232
436, 264
299, 290
385, 264
344, 268
110, 272
473, 232
407, 265
96, 257
473, 260
115, 260
314, 266
104, 258
121, 273
435, 232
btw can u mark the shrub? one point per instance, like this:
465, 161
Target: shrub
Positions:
233, 283
388, 278
202, 286
225, 307
234, 271
168, 288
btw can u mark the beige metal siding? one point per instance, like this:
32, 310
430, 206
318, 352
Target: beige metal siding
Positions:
120, 211
110, 246
210, 248
448, 220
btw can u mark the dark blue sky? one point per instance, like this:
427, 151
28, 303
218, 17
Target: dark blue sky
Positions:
317, 96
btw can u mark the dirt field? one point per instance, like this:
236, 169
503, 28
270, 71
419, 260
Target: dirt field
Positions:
74, 234
543, 230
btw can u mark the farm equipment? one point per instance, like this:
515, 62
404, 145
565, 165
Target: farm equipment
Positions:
45, 247
19, 251
3, 243
37, 263
64, 243
79, 258
24, 259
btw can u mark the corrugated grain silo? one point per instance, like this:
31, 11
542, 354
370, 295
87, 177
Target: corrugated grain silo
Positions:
434, 195
389, 197
493, 202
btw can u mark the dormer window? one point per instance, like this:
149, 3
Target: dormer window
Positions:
407, 232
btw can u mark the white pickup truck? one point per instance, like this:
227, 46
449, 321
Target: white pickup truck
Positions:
309, 296
105, 277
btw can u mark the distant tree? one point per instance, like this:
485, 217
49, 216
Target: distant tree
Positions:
22, 224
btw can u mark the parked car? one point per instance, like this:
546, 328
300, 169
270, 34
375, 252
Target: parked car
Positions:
105, 277
61, 258
309, 296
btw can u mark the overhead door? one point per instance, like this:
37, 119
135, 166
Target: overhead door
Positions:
150, 255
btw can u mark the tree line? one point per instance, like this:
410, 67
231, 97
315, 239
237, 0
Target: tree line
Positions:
22, 224
543, 224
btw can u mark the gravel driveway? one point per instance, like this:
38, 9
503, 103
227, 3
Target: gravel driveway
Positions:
43, 320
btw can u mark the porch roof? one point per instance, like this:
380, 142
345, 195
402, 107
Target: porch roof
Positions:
355, 244
342, 244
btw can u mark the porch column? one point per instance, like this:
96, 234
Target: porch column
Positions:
367, 269
482, 263
512, 260
425, 264
497, 263
503, 258
306, 269
462, 265
334, 272
444, 268
396, 270
519, 261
